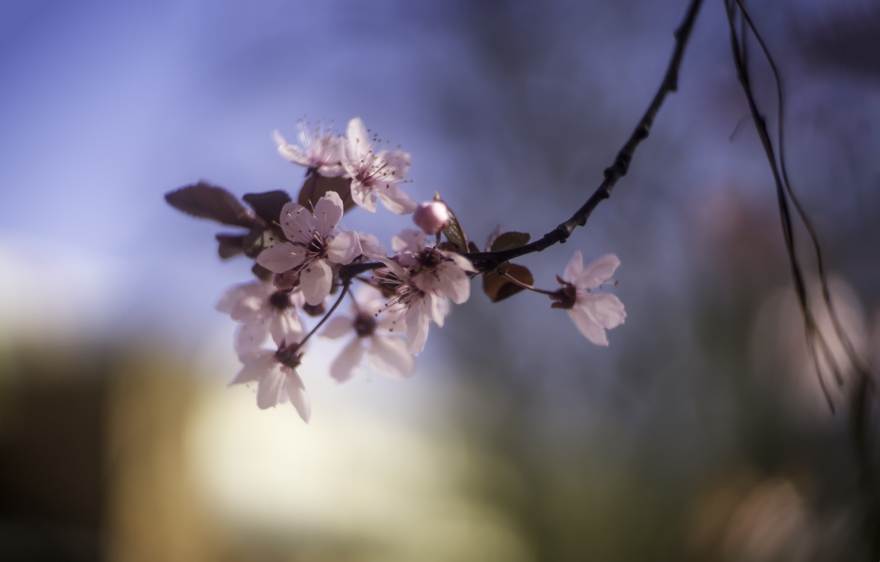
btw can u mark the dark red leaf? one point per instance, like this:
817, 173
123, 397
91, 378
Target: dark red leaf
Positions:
510, 240
207, 201
230, 245
497, 288
316, 186
268, 204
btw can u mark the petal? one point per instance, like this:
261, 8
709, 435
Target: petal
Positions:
296, 391
587, 326
250, 336
315, 280
394, 164
459, 260
597, 272
605, 309
256, 364
438, 307
344, 248
343, 366
574, 268
240, 300
389, 355
416, 330
331, 170
285, 326
280, 257
289, 151
271, 387
337, 327
297, 223
328, 211
454, 283
363, 196
395, 200
409, 240
358, 140
390, 319
370, 246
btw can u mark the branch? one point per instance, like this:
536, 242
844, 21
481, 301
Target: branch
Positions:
488, 261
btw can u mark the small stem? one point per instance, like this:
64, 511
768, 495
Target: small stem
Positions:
345, 286
519, 283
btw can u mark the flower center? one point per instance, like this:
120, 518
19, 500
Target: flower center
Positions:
280, 300
364, 325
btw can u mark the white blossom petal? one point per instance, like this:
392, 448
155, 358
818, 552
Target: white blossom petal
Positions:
389, 355
370, 247
358, 141
417, 325
409, 240
344, 248
256, 364
337, 327
454, 283
343, 366
395, 200
280, 257
459, 260
588, 326
328, 211
297, 223
574, 268
250, 336
597, 272
285, 326
271, 387
315, 280
438, 307
363, 196
291, 152
606, 309
394, 165
296, 391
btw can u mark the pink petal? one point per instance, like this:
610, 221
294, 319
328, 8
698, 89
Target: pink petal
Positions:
297, 223
409, 240
574, 268
370, 246
289, 151
285, 326
395, 200
315, 280
271, 387
416, 330
587, 326
337, 327
459, 260
358, 140
394, 164
250, 336
454, 283
296, 391
331, 170
389, 355
344, 248
363, 196
280, 257
605, 308
597, 272
343, 366
256, 364
328, 211
438, 307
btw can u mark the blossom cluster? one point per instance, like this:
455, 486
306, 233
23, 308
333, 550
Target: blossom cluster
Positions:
306, 263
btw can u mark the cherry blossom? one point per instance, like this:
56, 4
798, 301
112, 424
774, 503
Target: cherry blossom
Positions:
313, 245
262, 309
373, 323
320, 151
420, 306
375, 174
432, 269
592, 313
277, 379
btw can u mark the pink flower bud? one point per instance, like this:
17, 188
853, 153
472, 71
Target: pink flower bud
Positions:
431, 216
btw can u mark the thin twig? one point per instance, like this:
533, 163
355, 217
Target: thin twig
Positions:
488, 261
345, 284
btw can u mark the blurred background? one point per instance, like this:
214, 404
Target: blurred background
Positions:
701, 433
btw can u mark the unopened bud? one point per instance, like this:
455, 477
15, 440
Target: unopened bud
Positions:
431, 216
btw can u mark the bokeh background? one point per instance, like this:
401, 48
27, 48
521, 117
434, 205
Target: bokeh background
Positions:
699, 434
